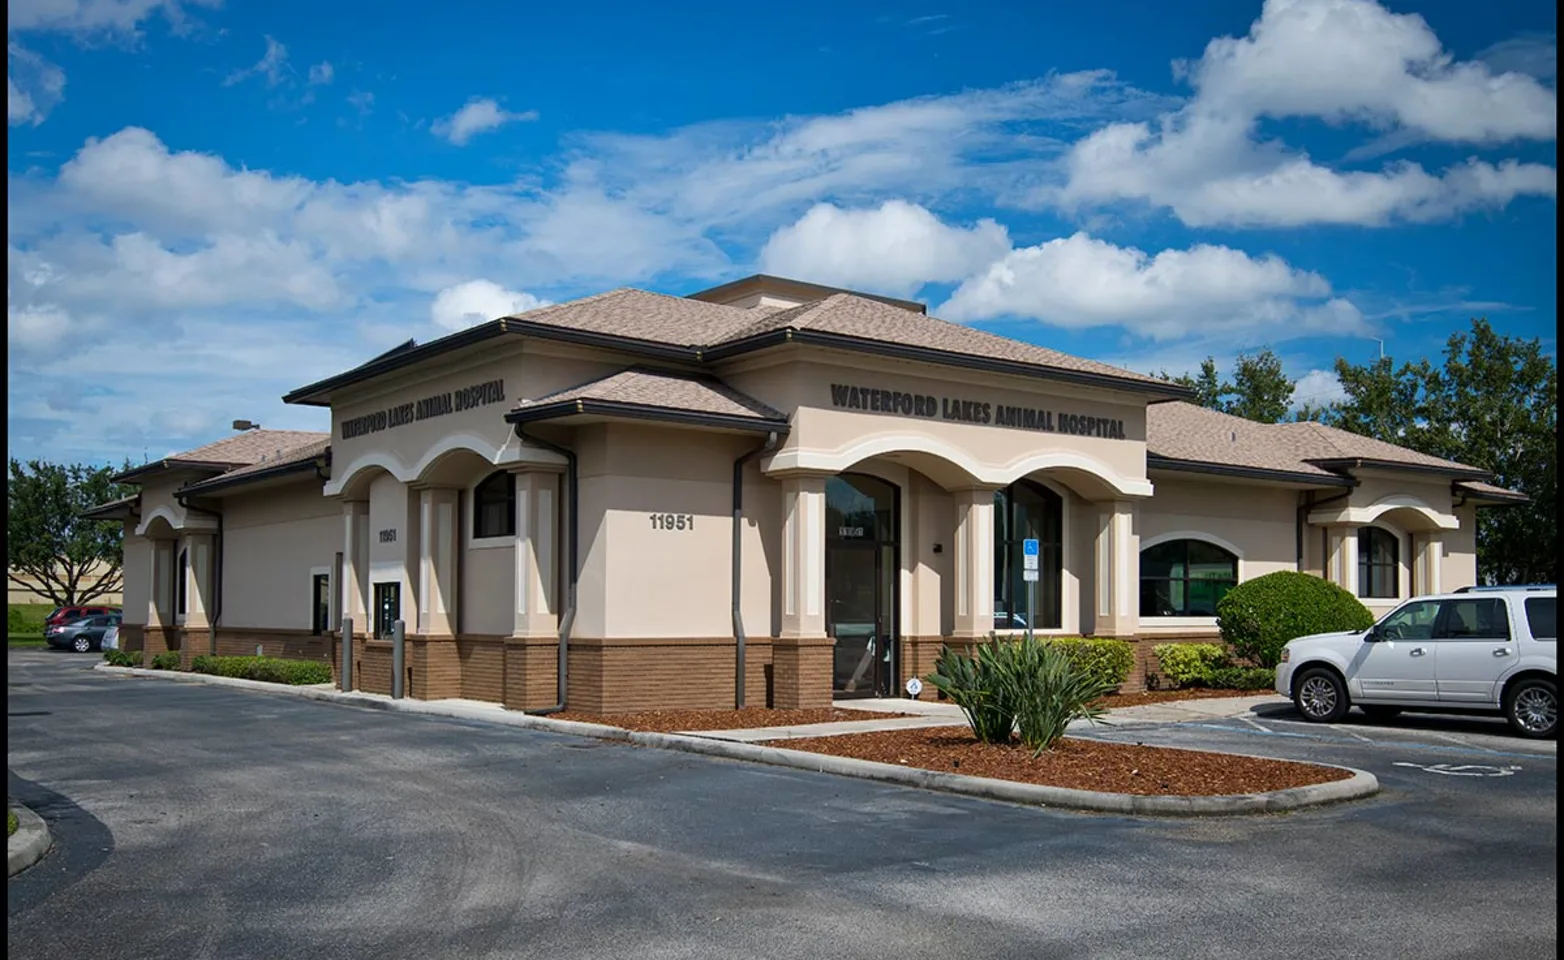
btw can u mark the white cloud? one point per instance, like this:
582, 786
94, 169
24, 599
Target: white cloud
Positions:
1318, 388
95, 16
1342, 61
321, 73
34, 86
479, 115
1535, 55
892, 249
1080, 282
272, 67
479, 301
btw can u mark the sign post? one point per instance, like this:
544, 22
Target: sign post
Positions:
1029, 555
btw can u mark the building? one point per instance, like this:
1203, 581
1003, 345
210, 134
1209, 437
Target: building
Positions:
24, 588
769, 492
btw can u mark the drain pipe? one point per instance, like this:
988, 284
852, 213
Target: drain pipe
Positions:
1305, 506
216, 613
738, 566
568, 615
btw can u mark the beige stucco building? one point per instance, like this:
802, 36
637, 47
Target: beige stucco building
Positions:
768, 493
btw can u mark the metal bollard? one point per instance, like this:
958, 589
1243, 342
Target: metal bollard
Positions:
347, 654
398, 642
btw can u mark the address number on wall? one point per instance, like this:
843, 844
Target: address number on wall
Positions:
388, 536
673, 521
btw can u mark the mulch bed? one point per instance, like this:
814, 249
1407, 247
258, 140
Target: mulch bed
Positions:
673, 721
1074, 763
1113, 700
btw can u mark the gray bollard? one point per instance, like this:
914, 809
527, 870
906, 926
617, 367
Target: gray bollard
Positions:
398, 642
347, 654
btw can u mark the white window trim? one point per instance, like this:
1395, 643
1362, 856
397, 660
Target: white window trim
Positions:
1169, 623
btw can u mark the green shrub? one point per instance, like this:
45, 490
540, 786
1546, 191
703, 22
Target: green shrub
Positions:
1242, 678
167, 660
268, 669
1190, 664
1029, 684
122, 658
1259, 616
1105, 660
972, 682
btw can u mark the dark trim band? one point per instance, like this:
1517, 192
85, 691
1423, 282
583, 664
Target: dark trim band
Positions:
638, 411
1154, 462
223, 483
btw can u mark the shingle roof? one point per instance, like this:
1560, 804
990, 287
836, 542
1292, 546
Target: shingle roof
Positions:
1320, 442
853, 316
298, 454
1185, 431
248, 447
1487, 491
648, 390
642, 315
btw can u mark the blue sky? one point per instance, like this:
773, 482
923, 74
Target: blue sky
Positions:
213, 203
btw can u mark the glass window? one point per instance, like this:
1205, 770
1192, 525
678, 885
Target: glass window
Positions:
1185, 578
494, 506
1476, 619
1028, 511
180, 585
388, 608
322, 603
1379, 563
1542, 617
860, 507
1412, 621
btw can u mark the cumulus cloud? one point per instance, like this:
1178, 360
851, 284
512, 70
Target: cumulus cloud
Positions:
34, 86
95, 16
1080, 282
1341, 61
479, 301
893, 249
1318, 388
479, 115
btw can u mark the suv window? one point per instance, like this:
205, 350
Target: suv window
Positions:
1542, 617
1477, 619
1414, 621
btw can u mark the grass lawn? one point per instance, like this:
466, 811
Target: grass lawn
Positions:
25, 640
24, 624
10, 823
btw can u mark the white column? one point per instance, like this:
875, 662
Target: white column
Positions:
437, 545
803, 557
1426, 569
1117, 571
355, 565
974, 562
537, 553
198, 549
160, 567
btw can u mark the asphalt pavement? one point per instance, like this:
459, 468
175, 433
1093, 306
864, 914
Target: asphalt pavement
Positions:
200, 821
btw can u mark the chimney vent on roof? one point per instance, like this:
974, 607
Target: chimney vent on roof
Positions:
1233, 436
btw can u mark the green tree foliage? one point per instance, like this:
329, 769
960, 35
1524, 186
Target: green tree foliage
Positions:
50, 549
1259, 390
1492, 405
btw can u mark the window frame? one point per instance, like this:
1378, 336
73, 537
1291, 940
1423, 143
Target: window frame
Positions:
1007, 561
482, 495
1447, 613
1367, 565
1185, 614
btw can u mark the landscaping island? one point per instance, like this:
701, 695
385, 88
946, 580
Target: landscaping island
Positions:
689, 721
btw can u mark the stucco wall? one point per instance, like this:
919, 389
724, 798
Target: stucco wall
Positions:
138, 577
487, 581
273, 538
1460, 551
393, 507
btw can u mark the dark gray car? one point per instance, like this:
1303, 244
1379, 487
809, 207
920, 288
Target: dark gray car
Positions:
82, 636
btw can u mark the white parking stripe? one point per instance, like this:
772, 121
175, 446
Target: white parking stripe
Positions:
1350, 732
1454, 739
1255, 723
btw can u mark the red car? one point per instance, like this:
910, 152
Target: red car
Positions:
67, 614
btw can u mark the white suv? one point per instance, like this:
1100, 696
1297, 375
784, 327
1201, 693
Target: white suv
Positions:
1488, 649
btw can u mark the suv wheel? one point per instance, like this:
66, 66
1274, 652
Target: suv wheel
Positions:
1320, 696
82, 644
1532, 707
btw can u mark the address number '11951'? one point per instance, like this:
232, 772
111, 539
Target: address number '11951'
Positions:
673, 521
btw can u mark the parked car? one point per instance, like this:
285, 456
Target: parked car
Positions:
1480, 649
110, 639
67, 614
83, 635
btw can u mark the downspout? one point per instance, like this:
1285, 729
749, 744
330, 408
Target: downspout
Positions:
568, 615
216, 612
738, 566
1304, 508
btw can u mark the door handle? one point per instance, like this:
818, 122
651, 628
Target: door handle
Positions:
1501, 651
1417, 651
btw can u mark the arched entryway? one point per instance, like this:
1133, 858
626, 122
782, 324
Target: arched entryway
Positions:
862, 570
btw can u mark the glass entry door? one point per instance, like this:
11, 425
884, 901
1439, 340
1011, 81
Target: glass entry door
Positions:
860, 571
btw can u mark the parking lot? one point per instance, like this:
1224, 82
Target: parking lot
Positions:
202, 821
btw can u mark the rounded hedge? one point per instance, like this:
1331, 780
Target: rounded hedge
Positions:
1259, 616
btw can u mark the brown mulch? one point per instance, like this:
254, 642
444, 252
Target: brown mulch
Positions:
673, 721
1113, 700
1077, 764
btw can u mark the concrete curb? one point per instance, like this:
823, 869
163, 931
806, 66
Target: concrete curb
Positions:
28, 844
1360, 784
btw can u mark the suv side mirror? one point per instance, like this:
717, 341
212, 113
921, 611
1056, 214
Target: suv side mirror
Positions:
1371, 635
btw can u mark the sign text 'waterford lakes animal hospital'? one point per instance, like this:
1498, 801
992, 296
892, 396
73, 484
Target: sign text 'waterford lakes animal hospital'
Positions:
454, 401
962, 410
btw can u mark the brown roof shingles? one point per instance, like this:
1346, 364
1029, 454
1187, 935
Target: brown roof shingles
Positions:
1184, 431
248, 447
663, 390
298, 453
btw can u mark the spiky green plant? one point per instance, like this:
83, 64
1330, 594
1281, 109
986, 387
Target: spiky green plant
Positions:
972, 683
1045, 690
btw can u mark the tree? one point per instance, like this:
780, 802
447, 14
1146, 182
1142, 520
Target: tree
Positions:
1492, 405
50, 549
1259, 390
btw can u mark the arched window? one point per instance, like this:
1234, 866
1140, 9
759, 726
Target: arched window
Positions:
1185, 578
1379, 563
494, 506
1027, 511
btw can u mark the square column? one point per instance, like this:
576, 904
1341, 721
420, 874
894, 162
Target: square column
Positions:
1341, 557
437, 545
199, 594
537, 552
1117, 571
1429, 560
160, 568
801, 654
355, 566
974, 563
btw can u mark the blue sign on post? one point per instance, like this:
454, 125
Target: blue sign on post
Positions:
1029, 548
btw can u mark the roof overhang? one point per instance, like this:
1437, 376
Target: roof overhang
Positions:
281, 470
801, 290
1491, 497
613, 409
134, 474
1154, 462
125, 508
1358, 463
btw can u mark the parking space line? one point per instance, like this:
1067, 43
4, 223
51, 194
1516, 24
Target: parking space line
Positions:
1350, 732
1399, 744
1454, 739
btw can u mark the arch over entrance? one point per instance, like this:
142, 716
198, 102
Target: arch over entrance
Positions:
862, 571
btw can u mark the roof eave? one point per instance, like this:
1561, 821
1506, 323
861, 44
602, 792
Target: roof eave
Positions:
172, 463
1154, 462
1509, 498
1355, 463
636, 411
224, 483
124, 508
